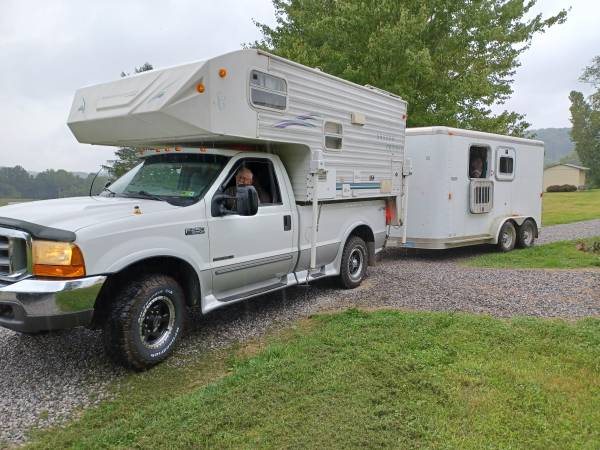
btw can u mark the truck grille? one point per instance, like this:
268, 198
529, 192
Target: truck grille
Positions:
4, 256
15, 250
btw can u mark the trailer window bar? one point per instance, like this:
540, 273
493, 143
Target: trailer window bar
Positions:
268, 91
333, 135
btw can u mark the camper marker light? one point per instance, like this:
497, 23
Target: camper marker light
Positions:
222, 73
57, 259
200, 88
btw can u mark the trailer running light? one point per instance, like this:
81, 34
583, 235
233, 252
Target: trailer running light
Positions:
200, 88
57, 259
222, 73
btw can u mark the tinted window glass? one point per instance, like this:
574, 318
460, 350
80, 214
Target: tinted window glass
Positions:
506, 164
263, 177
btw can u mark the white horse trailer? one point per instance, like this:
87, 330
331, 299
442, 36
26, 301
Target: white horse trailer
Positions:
451, 205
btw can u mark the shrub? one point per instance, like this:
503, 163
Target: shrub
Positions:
561, 188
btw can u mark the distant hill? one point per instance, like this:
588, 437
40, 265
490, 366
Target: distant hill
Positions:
558, 143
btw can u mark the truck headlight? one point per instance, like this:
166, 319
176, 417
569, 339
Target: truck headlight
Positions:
57, 259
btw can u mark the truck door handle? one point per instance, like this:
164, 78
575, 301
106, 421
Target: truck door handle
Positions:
287, 222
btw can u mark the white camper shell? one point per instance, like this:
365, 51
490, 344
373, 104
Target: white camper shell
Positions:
451, 207
352, 135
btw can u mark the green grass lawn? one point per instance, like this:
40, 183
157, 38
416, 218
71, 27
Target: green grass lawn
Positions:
566, 207
557, 255
384, 379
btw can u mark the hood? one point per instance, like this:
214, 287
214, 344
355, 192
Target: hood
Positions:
73, 214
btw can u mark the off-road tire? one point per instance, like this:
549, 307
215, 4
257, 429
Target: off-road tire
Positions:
507, 237
355, 260
526, 234
141, 306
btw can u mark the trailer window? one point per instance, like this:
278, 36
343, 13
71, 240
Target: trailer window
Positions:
333, 135
267, 90
505, 163
478, 161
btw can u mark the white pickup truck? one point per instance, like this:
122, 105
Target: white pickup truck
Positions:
274, 174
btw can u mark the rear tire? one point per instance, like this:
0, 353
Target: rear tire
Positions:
354, 263
145, 322
526, 234
507, 237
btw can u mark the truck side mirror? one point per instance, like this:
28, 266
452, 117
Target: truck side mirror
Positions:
246, 199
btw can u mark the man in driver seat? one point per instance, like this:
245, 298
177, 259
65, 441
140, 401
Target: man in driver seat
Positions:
245, 177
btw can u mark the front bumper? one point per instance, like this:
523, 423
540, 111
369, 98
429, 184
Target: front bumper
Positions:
35, 305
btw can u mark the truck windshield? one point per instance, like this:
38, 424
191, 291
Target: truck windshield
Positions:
180, 179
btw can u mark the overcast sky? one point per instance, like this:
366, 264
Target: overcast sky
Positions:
49, 49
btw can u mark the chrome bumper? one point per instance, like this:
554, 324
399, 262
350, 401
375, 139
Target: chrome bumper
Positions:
38, 305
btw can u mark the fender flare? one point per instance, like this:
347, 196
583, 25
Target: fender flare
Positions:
344, 239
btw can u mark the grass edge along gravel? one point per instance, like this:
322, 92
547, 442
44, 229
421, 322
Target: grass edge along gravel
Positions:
358, 379
555, 255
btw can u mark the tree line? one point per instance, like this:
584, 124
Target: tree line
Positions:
585, 117
17, 183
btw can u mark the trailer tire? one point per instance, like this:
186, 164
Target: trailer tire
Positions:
507, 237
354, 262
526, 234
145, 322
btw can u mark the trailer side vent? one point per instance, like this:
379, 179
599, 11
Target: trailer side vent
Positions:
481, 196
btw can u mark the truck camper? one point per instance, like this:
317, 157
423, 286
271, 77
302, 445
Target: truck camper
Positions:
471, 188
257, 174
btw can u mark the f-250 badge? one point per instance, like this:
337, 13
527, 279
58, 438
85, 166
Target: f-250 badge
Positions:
192, 231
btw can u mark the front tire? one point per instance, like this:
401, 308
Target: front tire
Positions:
507, 237
354, 263
145, 322
526, 234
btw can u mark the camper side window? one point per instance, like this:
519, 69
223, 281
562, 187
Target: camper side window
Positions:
268, 91
505, 163
333, 135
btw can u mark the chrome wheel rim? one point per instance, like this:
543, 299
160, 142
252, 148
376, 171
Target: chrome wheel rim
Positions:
156, 322
355, 264
527, 235
507, 239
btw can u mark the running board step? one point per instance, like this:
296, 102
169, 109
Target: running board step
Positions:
253, 293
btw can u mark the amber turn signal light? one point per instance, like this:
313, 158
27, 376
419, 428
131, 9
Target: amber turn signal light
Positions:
57, 259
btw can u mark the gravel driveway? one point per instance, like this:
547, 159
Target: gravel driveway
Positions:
46, 379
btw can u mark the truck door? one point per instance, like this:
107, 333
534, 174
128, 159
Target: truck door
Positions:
250, 254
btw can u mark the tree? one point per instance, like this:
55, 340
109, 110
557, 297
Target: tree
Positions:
126, 157
450, 59
585, 117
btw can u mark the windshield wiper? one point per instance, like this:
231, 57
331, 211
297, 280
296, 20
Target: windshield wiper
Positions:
144, 194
